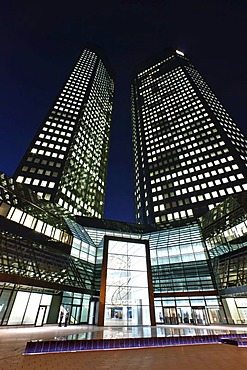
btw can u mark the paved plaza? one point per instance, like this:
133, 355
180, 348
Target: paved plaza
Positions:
191, 357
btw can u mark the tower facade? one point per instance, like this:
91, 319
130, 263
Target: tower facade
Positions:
189, 154
66, 162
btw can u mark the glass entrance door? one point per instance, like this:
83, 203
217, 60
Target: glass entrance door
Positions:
199, 316
75, 315
40, 316
170, 315
93, 312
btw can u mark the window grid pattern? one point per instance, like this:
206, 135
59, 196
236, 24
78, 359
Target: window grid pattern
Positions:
229, 126
46, 155
183, 166
179, 261
66, 152
83, 181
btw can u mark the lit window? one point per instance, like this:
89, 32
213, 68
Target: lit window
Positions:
20, 179
237, 188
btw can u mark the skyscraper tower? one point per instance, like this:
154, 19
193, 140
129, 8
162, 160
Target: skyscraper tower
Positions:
66, 162
188, 153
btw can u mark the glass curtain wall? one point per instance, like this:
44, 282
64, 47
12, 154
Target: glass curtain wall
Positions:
189, 310
24, 307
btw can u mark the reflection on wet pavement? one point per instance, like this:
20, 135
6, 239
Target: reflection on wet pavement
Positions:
145, 332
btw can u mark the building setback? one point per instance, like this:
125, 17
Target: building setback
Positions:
66, 162
189, 155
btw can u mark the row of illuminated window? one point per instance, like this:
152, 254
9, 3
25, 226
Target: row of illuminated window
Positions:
71, 97
47, 153
187, 179
71, 100
187, 302
161, 147
53, 146
201, 186
185, 163
35, 182
65, 109
61, 105
179, 215
196, 188
63, 123
67, 126
189, 251
57, 132
200, 198
31, 222
171, 158
53, 138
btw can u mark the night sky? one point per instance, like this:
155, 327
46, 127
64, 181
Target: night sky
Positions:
41, 41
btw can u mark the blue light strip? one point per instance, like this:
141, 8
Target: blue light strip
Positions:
104, 344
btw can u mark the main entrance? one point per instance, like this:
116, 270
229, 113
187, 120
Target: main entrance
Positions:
126, 286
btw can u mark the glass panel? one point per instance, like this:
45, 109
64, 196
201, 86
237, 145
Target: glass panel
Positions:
16, 216
46, 299
32, 308
84, 314
4, 299
138, 263
127, 298
19, 308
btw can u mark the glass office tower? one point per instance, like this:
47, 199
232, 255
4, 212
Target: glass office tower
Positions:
189, 155
66, 162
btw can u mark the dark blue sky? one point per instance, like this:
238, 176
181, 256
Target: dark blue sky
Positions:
40, 42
